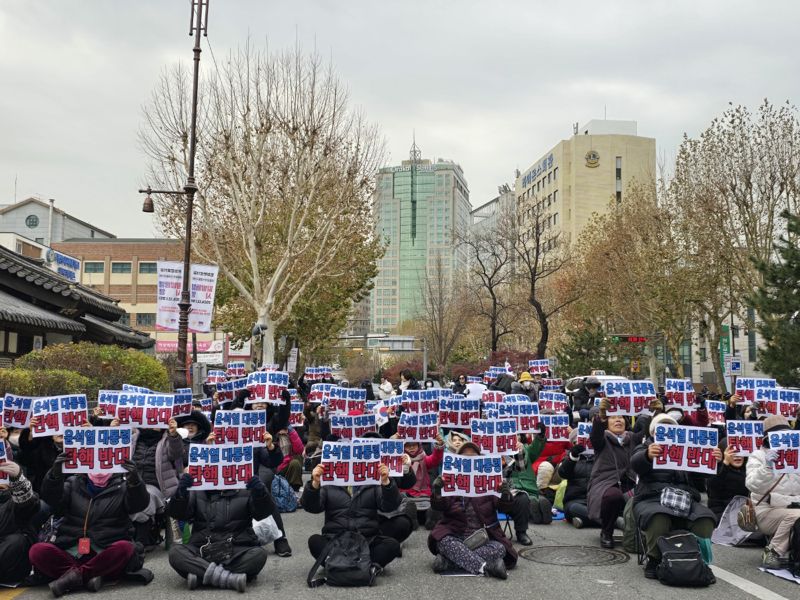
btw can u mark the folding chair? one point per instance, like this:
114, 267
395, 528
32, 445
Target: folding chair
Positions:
641, 550
506, 521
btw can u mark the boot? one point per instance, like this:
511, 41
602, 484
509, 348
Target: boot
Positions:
209, 575
496, 569
191, 581
94, 584
68, 582
231, 581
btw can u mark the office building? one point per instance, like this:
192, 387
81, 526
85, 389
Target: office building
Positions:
420, 206
43, 223
582, 175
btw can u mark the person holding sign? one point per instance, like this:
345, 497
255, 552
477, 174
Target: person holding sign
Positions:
469, 536
37, 454
94, 542
224, 551
576, 469
18, 505
728, 483
776, 496
421, 464
353, 508
664, 498
528, 504
612, 478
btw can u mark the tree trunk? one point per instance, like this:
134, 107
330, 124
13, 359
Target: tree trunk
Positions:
493, 325
716, 353
652, 364
544, 327
267, 337
674, 348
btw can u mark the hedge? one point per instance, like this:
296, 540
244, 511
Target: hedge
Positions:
42, 382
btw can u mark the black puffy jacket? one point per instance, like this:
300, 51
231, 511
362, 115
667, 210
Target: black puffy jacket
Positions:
358, 512
577, 475
18, 505
37, 456
107, 511
221, 515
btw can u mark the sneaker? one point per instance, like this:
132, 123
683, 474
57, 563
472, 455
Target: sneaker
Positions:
606, 540
577, 522
524, 539
496, 569
651, 568
772, 560
441, 564
282, 547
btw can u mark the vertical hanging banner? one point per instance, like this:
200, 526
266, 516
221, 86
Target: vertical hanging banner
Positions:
202, 288
97, 449
56, 413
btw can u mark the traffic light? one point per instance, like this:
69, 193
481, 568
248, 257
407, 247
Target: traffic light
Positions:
630, 339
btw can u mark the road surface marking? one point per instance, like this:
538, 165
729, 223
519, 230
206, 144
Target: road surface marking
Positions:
747, 586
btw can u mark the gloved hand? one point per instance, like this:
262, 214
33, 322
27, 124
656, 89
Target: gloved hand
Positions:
257, 487
542, 430
701, 400
438, 484
58, 465
184, 483
771, 455
132, 474
576, 451
505, 491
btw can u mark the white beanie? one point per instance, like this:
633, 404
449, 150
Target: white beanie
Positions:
661, 418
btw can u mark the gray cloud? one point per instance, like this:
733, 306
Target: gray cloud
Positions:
492, 85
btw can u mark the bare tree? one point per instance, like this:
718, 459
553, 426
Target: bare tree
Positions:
285, 171
490, 259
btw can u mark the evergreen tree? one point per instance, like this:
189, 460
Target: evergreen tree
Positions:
777, 302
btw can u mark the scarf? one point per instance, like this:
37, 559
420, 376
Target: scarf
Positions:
423, 484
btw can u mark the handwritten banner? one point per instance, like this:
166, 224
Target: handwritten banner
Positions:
686, 448
240, 427
457, 413
556, 427
351, 464
471, 476
97, 449
16, 411
787, 443
414, 427
745, 437
56, 413
352, 426
225, 467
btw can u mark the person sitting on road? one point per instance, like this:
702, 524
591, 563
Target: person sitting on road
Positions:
576, 470
612, 479
18, 505
461, 518
223, 551
528, 505
583, 399
357, 510
777, 495
421, 464
652, 516
728, 483
94, 542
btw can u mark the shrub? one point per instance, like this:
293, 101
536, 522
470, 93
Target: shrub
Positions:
392, 372
43, 382
104, 367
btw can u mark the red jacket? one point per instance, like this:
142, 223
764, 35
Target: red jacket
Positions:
297, 449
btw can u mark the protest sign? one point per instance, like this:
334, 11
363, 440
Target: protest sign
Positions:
144, 410
471, 476
716, 411
16, 411
787, 443
346, 400
539, 366
97, 449
269, 367
319, 391
493, 373
680, 393
318, 373
267, 386
552, 384
526, 414
3, 460
457, 413
420, 401
224, 467
629, 398
240, 427
494, 436
352, 426
554, 401
788, 402
745, 437
206, 405
584, 437
296, 416
686, 448
236, 369
746, 388
512, 398
353, 464
474, 379
391, 453
418, 427
107, 402
492, 396
55, 413
182, 402
556, 427
216, 376
137, 389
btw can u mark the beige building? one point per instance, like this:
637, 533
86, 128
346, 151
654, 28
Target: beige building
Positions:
583, 174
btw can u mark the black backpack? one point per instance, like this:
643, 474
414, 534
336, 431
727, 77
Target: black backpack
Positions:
347, 562
681, 561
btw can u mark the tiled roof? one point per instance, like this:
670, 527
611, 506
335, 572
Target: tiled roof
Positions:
16, 310
116, 333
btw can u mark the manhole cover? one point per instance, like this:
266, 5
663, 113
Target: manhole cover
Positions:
574, 556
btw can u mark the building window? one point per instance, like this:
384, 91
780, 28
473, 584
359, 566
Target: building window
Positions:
94, 267
555, 173
91, 233
125, 320
32, 221
39, 240
702, 353
148, 268
555, 219
145, 319
120, 267
619, 196
555, 196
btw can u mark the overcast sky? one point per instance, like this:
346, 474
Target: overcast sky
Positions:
489, 84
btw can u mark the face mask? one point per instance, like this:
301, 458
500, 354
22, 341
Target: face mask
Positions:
527, 385
100, 479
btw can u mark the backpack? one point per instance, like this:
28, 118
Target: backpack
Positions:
283, 495
347, 562
682, 562
794, 549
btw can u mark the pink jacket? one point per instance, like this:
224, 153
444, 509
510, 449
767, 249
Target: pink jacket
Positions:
423, 485
297, 449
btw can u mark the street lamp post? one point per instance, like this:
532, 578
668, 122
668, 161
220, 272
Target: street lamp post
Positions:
198, 26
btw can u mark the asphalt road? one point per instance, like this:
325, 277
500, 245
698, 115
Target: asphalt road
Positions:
411, 577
